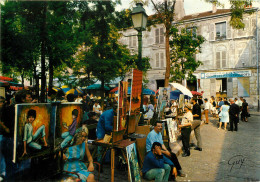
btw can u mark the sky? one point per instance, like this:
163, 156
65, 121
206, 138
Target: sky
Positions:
190, 6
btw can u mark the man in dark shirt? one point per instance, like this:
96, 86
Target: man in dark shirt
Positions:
233, 114
200, 101
156, 166
196, 111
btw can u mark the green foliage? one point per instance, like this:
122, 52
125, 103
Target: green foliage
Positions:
237, 12
185, 44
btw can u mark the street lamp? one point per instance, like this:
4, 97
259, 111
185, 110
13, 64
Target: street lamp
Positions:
139, 18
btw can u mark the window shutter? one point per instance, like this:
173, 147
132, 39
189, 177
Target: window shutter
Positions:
162, 60
229, 36
224, 59
130, 41
211, 34
253, 27
218, 60
157, 61
157, 36
161, 36
134, 41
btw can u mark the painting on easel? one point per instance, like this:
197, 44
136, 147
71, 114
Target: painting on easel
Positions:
133, 163
172, 128
68, 125
34, 131
135, 99
122, 105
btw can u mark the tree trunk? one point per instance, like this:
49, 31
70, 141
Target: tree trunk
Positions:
102, 93
43, 52
50, 73
168, 61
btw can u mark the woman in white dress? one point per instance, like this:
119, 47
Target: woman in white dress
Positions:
224, 115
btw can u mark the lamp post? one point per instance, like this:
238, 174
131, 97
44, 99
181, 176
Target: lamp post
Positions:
139, 18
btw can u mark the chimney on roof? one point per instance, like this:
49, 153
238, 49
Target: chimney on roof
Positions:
214, 8
179, 9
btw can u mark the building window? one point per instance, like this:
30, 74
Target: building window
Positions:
192, 30
221, 31
159, 36
221, 59
159, 60
132, 41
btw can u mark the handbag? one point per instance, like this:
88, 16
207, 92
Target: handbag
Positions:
248, 115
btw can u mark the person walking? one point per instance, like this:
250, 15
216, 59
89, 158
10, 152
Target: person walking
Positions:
195, 125
233, 115
206, 110
224, 115
244, 113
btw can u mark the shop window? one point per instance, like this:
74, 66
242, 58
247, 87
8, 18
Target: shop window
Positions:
221, 85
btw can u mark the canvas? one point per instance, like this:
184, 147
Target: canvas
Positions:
181, 101
135, 99
164, 95
172, 128
123, 106
34, 130
133, 163
68, 125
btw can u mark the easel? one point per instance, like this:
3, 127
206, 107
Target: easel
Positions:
116, 143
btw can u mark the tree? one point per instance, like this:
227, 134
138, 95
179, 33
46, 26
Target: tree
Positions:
185, 44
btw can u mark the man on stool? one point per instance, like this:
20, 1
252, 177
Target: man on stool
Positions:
156, 165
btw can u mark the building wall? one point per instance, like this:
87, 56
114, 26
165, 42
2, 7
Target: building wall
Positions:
239, 49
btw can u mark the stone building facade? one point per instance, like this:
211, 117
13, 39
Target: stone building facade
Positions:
229, 56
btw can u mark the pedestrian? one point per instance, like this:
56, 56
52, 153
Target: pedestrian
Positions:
244, 113
233, 115
97, 108
195, 124
200, 101
224, 115
206, 110
156, 166
186, 129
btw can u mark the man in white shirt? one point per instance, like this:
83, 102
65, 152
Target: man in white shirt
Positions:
206, 110
97, 108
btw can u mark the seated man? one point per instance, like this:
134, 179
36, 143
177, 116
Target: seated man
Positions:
156, 136
156, 166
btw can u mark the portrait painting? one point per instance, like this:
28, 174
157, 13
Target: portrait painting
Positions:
68, 125
34, 130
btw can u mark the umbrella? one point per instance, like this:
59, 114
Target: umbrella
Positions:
146, 91
181, 88
176, 94
114, 89
3, 83
56, 89
97, 87
196, 93
75, 91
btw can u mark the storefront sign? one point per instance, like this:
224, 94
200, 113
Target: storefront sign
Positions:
226, 74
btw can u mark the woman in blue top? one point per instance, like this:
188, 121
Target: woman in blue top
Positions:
224, 115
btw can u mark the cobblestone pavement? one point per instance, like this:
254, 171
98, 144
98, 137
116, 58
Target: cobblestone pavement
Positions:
226, 156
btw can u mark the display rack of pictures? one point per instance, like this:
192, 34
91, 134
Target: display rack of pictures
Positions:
133, 163
181, 101
43, 128
164, 97
123, 106
172, 129
135, 99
